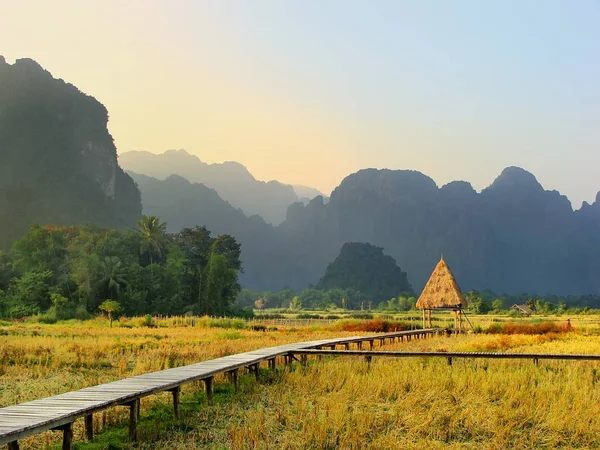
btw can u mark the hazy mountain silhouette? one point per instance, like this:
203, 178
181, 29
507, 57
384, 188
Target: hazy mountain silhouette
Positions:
231, 180
58, 162
512, 237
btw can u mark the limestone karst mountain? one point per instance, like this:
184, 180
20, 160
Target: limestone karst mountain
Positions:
58, 162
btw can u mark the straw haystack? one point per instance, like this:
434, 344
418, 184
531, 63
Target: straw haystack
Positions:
441, 292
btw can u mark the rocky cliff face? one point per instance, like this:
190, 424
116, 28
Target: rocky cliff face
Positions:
58, 162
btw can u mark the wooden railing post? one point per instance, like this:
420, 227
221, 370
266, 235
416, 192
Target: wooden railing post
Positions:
134, 413
359, 345
89, 427
347, 346
371, 344
176, 394
208, 383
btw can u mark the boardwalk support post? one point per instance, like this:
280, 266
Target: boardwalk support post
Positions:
208, 382
134, 414
236, 381
14, 445
67, 437
176, 394
368, 359
89, 427
449, 360
535, 362
272, 365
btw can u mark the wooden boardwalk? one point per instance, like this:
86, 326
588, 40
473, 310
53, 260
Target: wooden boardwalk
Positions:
60, 411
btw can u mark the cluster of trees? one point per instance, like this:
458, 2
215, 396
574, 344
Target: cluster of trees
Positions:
70, 271
487, 301
309, 298
478, 302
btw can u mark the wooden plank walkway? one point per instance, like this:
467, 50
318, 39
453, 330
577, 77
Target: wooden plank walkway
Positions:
60, 411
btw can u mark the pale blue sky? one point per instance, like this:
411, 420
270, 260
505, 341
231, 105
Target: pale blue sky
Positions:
309, 91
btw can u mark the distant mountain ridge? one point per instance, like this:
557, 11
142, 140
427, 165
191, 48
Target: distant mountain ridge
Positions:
58, 165
58, 162
230, 179
513, 237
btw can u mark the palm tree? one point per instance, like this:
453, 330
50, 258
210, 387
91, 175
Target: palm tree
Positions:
112, 268
153, 235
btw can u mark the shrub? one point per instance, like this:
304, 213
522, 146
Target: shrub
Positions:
528, 328
148, 321
373, 326
308, 316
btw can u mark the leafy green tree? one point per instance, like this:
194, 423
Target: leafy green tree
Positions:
497, 305
476, 303
110, 307
296, 303
153, 233
221, 286
113, 275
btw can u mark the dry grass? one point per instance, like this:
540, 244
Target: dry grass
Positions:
333, 403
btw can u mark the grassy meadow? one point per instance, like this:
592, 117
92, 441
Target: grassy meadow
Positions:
332, 403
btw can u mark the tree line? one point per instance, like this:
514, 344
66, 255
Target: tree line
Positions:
478, 302
68, 272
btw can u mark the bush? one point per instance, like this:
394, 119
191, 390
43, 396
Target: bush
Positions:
148, 321
528, 328
49, 316
82, 313
308, 316
269, 316
373, 326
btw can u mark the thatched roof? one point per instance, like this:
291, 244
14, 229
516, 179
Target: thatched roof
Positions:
523, 308
442, 290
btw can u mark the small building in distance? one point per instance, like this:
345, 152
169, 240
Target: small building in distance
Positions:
441, 292
523, 309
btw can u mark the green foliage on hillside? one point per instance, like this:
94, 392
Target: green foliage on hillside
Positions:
70, 271
365, 268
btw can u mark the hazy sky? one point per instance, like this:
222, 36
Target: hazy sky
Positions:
309, 91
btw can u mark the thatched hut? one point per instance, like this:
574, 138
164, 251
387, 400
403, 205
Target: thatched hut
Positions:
523, 309
441, 292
